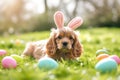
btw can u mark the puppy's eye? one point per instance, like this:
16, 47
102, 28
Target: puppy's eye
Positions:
59, 37
70, 37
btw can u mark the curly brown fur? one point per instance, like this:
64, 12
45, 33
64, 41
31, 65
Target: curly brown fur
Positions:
62, 44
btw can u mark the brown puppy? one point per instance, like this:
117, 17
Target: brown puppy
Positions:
62, 44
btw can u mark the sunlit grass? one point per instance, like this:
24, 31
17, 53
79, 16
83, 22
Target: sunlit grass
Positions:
81, 69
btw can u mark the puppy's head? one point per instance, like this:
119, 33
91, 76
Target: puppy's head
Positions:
64, 38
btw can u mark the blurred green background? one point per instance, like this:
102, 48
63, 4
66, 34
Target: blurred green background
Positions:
21, 16
35, 19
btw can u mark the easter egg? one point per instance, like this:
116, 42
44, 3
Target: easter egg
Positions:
18, 42
106, 65
17, 58
101, 51
102, 56
9, 62
2, 52
47, 63
116, 58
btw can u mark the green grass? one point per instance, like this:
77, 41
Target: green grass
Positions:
81, 69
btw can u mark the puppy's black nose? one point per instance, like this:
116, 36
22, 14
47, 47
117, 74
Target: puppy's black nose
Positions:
65, 43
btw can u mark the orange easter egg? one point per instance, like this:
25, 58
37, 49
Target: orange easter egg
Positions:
17, 42
102, 56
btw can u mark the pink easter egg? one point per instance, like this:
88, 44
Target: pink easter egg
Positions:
2, 52
9, 62
116, 58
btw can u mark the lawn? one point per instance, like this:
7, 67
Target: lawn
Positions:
81, 69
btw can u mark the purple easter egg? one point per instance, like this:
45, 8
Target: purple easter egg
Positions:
2, 52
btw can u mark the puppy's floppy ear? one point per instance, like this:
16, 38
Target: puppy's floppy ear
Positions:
77, 47
59, 19
75, 22
51, 45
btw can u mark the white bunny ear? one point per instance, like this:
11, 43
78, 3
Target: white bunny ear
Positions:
59, 19
75, 22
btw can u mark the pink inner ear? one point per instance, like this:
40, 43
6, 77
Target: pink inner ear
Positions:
76, 22
59, 19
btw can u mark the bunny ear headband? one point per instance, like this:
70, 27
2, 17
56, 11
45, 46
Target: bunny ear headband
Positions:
73, 24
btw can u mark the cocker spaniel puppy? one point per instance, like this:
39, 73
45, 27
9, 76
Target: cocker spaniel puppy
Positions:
62, 44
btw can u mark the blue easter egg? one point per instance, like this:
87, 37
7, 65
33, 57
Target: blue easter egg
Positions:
106, 65
47, 63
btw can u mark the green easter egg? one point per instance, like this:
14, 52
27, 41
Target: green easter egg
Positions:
17, 58
101, 51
